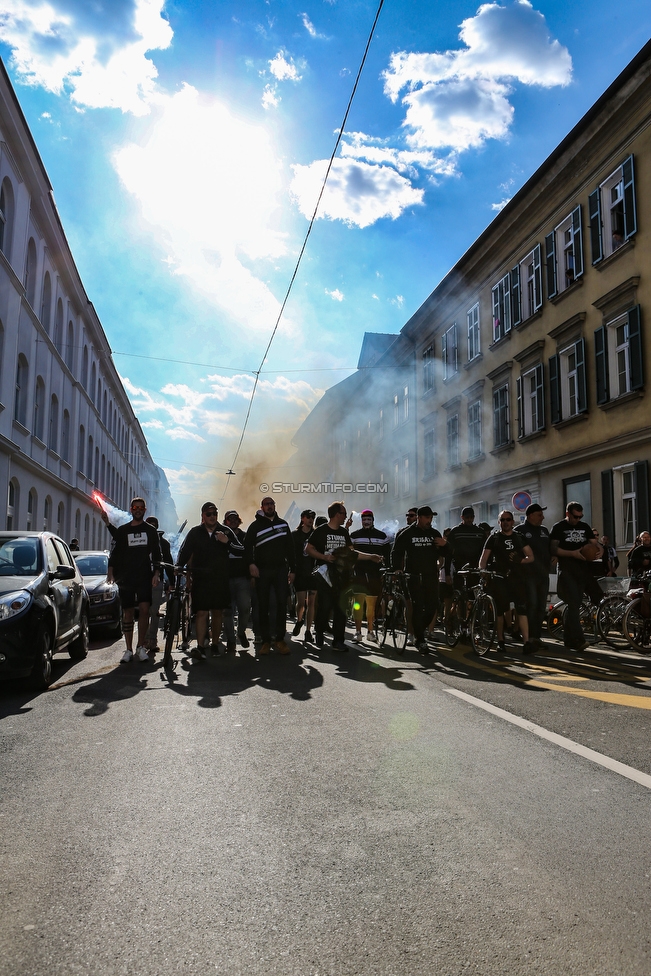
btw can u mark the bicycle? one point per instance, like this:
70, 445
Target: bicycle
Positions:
393, 610
457, 620
587, 615
178, 616
483, 616
636, 624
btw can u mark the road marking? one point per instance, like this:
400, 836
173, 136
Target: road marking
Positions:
560, 740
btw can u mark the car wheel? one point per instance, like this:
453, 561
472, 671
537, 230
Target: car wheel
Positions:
78, 649
41, 674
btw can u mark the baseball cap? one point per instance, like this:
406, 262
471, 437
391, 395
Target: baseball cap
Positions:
467, 511
230, 513
535, 508
308, 513
207, 505
426, 510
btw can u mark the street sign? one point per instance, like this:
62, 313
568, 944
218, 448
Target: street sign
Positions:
521, 500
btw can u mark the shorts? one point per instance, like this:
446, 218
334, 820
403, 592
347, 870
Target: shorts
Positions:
303, 583
370, 584
507, 591
133, 592
211, 593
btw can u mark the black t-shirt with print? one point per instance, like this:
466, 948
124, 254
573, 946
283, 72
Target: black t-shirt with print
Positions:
507, 551
326, 540
572, 537
417, 549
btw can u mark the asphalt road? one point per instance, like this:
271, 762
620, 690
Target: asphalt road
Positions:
326, 816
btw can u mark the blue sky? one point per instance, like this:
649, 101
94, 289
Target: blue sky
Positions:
186, 140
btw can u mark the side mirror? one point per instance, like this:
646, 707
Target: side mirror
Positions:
63, 573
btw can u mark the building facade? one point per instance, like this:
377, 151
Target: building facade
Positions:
530, 360
67, 428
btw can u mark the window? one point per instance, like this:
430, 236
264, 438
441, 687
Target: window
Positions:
531, 401
564, 254
6, 217
47, 514
613, 218
452, 429
567, 383
526, 287
405, 476
65, 436
93, 380
396, 410
20, 396
474, 429
81, 448
429, 459
396, 478
13, 494
53, 433
39, 409
58, 328
31, 509
381, 425
30, 272
428, 369
502, 308
618, 356
474, 347
405, 404
578, 490
449, 352
501, 431
60, 518
84, 368
87, 531
46, 303
70, 346
629, 520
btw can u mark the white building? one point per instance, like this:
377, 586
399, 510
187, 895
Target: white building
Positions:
67, 427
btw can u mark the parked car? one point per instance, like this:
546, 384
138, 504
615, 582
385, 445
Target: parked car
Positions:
43, 605
104, 598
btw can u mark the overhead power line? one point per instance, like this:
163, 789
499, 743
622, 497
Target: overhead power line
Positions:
302, 251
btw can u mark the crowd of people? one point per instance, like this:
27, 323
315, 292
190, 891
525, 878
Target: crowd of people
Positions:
241, 581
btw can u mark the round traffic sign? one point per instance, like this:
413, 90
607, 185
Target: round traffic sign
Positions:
521, 501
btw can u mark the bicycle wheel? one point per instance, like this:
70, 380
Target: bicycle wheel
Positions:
588, 617
384, 622
399, 625
482, 624
452, 624
637, 627
610, 620
555, 619
186, 621
172, 618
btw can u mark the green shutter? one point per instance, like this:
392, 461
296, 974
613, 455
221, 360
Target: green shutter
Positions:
582, 388
630, 215
608, 505
516, 314
641, 471
540, 395
577, 234
550, 262
636, 365
554, 390
518, 389
537, 279
601, 364
594, 212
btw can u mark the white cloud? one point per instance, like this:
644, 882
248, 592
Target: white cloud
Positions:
184, 481
357, 193
179, 434
284, 70
500, 206
310, 28
336, 295
458, 99
398, 301
95, 51
209, 184
270, 97
358, 145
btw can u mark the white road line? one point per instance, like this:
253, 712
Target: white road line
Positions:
560, 740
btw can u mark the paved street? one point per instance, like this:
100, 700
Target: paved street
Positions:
327, 816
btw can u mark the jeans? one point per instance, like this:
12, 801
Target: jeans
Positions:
537, 590
241, 601
330, 600
424, 592
571, 589
272, 578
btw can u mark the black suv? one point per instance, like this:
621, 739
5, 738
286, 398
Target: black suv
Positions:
43, 605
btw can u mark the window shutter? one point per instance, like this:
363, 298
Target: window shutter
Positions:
608, 505
537, 279
601, 363
518, 393
641, 470
554, 389
444, 354
594, 211
577, 235
515, 296
540, 395
455, 348
506, 284
496, 313
636, 365
550, 261
582, 389
630, 215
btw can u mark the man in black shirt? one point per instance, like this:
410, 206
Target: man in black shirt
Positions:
575, 578
334, 574
536, 574
205, 551
367, 581
134, 565
639, 557
270, 557
304, 582
417, 549
505, 552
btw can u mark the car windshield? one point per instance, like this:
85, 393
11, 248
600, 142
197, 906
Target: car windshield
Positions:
20, 557
95, 564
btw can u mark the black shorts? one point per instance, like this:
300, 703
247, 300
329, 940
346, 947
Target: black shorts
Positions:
133, 592
507, 591
305, 583
211, 594
369, 584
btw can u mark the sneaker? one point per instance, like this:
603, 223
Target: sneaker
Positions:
339, 646
501, 647
244, 640
198, 653
423, 647
297, 628
372, 636
529, 647
282, 647
309, 639
357, 638
411, 640
265, 648
127, 657
142, 653
318, 640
